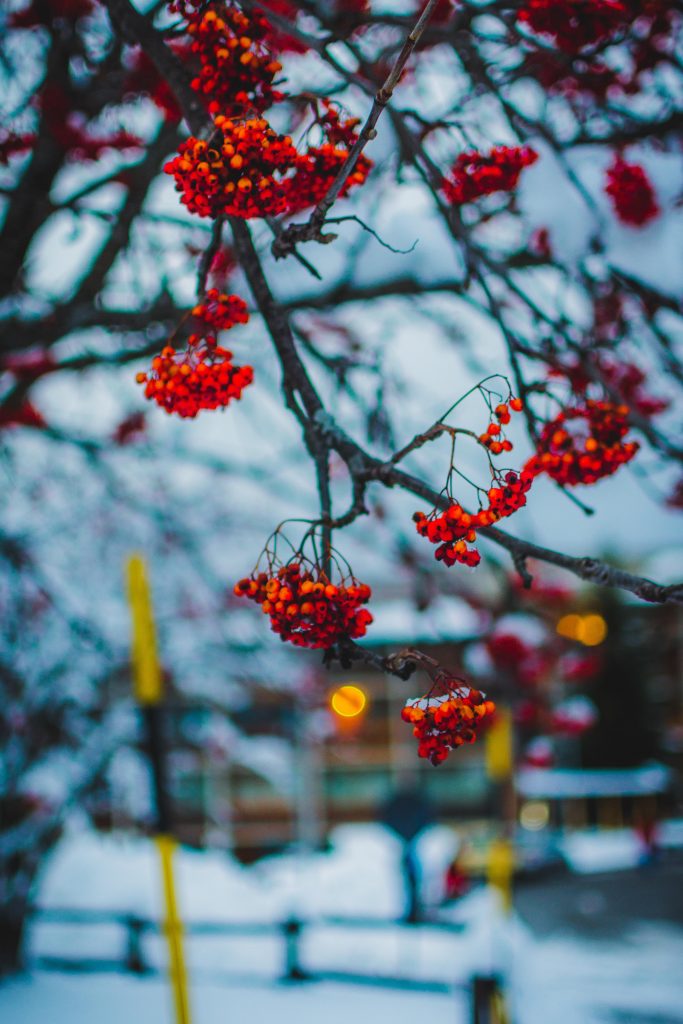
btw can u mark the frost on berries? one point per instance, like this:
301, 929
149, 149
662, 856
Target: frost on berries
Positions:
446, 717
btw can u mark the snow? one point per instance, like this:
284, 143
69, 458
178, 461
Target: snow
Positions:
556, 783
69, 1000
634, 981
447, 618
563, 979
586, 851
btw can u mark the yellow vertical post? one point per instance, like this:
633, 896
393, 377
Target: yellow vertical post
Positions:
173, 926
499, 768
148, 691
499, 746
147, 683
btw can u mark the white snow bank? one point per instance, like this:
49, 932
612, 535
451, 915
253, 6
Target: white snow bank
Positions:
612, 850
105, 1000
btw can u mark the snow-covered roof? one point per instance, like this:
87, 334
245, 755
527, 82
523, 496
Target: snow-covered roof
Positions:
446, 618
577, 782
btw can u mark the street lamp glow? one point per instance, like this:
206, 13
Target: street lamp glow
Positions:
569, 626
593, 630
348, 701
589, 630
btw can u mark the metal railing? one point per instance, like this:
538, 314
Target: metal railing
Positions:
134, 960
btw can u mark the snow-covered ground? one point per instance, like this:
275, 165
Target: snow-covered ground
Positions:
563, 980
49, 998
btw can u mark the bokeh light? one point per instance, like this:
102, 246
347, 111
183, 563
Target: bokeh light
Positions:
348, 701
589, 630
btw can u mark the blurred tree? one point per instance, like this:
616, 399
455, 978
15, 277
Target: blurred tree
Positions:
532, 147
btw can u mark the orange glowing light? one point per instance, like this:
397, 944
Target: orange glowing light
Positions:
569, 626
593, 630
590, 630
348, 701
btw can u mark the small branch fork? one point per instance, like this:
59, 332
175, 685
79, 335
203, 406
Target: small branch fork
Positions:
322, 435
312, 229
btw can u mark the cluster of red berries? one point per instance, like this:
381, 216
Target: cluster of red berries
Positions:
239, 172
574, 24
220, 312
317, 168
306, 608
202, 377
492, 438
446, 721
627, 379
477, 174
586, 78
631, 192
237, 67
248, 170
583, 444
454, 529
522, 662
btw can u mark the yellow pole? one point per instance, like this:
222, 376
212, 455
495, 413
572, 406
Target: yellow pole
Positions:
500, 869
499, 746
173, 926
499, 768
147, 681
148, 691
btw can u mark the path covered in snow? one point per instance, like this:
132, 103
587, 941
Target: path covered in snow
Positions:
628, 975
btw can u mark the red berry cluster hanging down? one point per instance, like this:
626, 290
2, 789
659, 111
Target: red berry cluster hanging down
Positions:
477, 174
202, 377
237, 66
627, 379
445, 721
454, 529
644, 29
583, 444
239, 172
247, 170
305, 607
220, 312
317, 168
631, 192
492, 438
